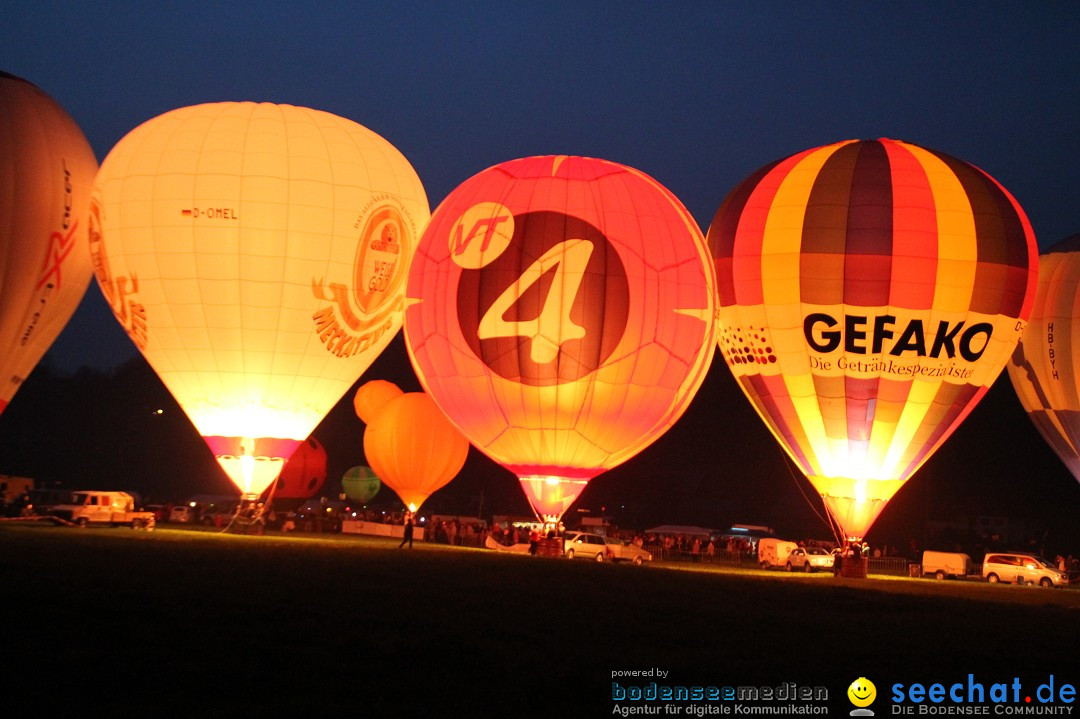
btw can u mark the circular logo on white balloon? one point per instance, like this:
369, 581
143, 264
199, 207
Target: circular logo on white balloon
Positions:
380, 257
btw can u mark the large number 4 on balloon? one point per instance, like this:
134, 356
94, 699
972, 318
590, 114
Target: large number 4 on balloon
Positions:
553, 325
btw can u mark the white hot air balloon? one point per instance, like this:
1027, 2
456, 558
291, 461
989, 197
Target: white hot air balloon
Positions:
256, 254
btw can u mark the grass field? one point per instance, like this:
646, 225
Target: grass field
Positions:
194, 623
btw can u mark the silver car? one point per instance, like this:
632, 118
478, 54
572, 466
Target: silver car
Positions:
1022, 569
586, 546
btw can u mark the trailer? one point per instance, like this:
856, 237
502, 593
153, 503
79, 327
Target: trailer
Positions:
945, 565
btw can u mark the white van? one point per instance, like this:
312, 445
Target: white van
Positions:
1022, 569
182, 514
97, 507
772, 552
944, 565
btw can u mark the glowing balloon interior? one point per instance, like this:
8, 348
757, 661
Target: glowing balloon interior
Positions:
414, 448
256, 254
870, 293
1045, 368
48, 173
560, 312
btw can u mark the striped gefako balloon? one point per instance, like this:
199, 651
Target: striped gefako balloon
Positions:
870, 293
1045, 368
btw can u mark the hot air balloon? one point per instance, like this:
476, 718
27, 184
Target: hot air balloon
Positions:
372, 396
1045, 368
560, 312
303, 475
413, 447
360, 484
870, 293
256, 255
48, 173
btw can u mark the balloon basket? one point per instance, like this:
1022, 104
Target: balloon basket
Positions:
854, 567
550, 547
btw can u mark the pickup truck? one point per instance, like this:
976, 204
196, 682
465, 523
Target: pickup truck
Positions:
595, 547
97, 507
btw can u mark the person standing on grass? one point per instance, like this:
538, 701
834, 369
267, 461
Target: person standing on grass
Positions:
408, 531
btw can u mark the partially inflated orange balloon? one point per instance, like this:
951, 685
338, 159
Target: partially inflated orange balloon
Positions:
413, 448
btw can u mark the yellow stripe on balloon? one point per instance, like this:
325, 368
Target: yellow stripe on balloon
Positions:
957, 242
781, 290
918, 404
782, 238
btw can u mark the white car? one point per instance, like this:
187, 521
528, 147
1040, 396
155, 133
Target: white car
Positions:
809, 559
1022, 569
599, 549
586, 546
181, 514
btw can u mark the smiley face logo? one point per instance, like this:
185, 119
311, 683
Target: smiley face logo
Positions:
862, 692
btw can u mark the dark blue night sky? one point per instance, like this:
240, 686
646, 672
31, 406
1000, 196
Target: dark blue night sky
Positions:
696, 94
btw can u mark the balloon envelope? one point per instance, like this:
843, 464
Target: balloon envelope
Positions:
48, 173
372, 396
870, 293
1045, 368
560, 312
413, 448
303, 475
360, 484
256, 254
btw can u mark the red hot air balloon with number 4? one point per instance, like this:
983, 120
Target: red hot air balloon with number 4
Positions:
560, 312
870, 294
48, 173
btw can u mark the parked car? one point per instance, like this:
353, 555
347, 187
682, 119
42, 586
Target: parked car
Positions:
322, 515
1022, 569
182, 514
42, 501
586, 546
218, 515
810, 559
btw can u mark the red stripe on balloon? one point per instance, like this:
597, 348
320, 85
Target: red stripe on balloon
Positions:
750, 235
253, 446
721, 238
915, 241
